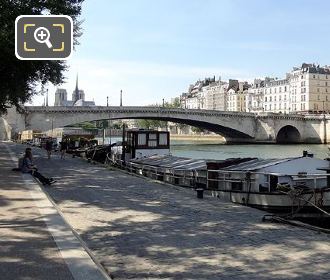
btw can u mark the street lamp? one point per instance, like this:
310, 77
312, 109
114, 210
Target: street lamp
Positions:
52, 120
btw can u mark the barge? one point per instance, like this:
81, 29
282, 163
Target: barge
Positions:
289, 185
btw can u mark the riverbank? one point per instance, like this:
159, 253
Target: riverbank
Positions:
199, 138
141, 229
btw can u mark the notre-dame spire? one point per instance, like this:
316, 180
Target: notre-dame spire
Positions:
76, 91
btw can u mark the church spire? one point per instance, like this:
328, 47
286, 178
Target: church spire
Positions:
77, 82
76, 91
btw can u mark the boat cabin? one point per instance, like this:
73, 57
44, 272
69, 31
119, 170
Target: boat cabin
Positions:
266, 175
143, 143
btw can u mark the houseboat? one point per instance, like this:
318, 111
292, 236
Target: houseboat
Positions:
291, 185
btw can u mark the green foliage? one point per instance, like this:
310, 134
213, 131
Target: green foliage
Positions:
154, 124
117, 125
151, 124
20, 78
86, 125
196, 129
102, 124
175, 104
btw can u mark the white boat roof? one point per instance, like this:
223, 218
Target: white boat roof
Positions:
256, 164
173, 162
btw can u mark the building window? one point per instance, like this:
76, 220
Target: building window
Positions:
313, 76
318, 90
284, 97
285, 89
266, 99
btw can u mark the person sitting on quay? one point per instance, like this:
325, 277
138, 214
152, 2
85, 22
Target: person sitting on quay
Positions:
29, 167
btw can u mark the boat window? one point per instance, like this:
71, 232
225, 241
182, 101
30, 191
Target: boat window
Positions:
152, 141
237, 186
152, 136
273, 180
142, 139
163, 139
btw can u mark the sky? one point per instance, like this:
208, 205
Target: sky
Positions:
154, 49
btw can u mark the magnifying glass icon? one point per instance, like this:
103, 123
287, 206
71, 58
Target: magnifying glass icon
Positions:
41, 35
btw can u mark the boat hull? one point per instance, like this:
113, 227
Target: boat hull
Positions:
279, 202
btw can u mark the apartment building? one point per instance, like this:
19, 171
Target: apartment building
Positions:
215, 96
255, 96
310, 88
276, 96
304, 89
237, 93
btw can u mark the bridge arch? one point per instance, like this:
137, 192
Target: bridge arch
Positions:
234, 126
288, 134
226, 131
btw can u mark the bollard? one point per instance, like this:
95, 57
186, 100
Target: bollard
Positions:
200, 192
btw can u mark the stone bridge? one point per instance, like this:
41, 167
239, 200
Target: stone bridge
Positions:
234, 126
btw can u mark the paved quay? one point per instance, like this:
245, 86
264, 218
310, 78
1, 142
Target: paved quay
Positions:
140, 229
35, 242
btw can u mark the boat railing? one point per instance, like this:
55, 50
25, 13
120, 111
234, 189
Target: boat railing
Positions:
214, 177
180, 176
209, 178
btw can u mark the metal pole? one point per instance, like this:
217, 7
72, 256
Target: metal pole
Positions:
52, 126
121, 98
107, 101
123, 145
325, 140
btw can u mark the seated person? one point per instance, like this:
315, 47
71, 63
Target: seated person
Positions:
29, 167
20, 162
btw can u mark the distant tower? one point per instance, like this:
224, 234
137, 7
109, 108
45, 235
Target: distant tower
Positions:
77, 94
121, 98
61, 97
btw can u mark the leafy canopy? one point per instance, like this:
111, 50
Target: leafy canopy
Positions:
19, 78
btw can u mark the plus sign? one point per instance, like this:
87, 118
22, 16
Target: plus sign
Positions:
41, 34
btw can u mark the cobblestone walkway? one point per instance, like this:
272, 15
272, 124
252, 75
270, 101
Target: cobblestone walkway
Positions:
140, 229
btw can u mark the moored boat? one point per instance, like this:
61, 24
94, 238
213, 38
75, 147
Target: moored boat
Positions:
289, 185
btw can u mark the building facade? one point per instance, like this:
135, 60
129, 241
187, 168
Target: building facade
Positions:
304, 89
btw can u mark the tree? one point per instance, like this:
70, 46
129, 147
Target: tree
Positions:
19, 78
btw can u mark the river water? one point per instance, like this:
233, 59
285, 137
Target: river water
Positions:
198, 150
216, 150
